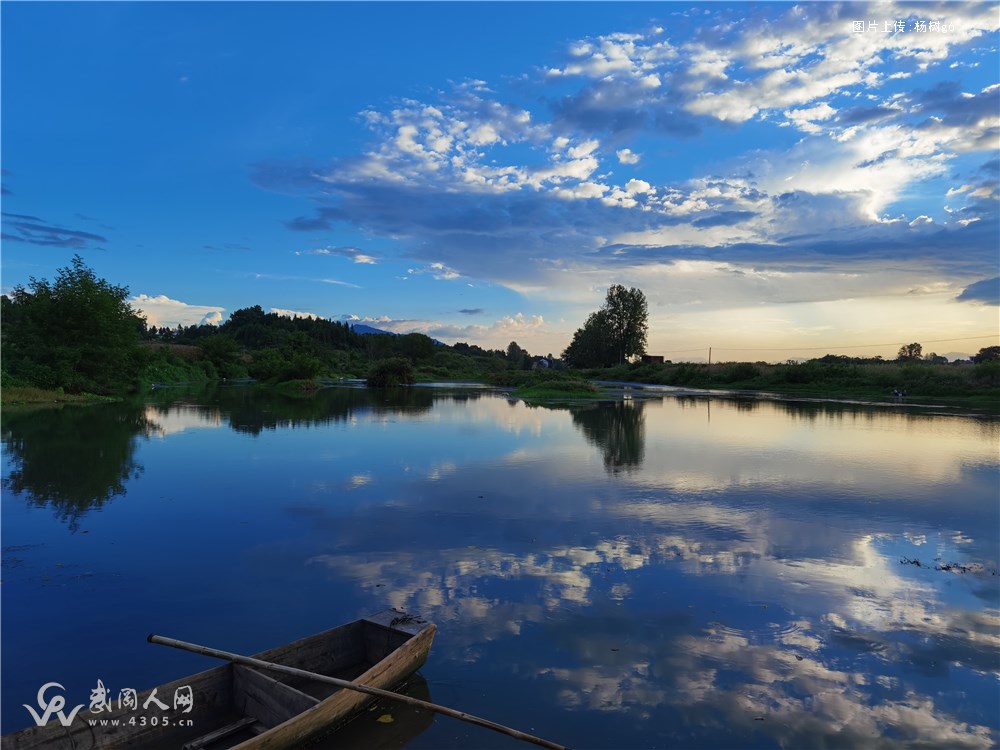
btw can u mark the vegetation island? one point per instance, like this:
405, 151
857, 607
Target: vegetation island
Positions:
78, 338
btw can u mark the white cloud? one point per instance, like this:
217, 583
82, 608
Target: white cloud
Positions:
353, 253
437, 270
634, 187
321, 280
477, 187
484, 135
533, 331
582, 190
805, 119
162, 311
294, 313
626, 156
211, 319
583, 150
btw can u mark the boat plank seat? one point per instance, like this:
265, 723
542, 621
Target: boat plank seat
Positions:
267, 700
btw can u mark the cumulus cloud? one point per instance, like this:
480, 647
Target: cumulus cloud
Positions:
496, 335
807, 119
472, 184
162, 311
294, 313
627, 156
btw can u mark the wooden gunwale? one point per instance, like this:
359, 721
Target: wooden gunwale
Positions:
344, 703
288, 713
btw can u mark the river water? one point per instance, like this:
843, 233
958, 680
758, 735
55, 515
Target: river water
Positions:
650, 572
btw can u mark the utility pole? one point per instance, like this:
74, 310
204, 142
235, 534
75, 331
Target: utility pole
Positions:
709, 356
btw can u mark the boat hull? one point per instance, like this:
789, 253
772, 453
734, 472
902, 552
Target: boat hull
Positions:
234, 706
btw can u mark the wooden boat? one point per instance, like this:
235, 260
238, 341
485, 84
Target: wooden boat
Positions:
239, 707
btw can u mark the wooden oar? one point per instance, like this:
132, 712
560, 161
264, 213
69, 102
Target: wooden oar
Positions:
260, 664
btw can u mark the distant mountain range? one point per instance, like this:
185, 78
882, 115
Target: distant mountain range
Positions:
368, 331
363, 329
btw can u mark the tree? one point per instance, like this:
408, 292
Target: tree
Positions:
223, 352
78, 333
416, 346
987, 354
614, 333
627, 315
516, 356
909, 352
591, 345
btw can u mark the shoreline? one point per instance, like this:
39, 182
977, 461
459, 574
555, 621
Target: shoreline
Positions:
609, 389
969, 406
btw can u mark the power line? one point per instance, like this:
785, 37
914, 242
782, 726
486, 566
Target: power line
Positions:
825, 348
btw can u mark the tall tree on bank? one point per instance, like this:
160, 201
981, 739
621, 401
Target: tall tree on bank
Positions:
591, 345
614, 333
78, 333
627, 321
909, 352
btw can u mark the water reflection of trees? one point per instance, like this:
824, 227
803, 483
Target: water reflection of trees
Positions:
253, 410
75, 458
618, 429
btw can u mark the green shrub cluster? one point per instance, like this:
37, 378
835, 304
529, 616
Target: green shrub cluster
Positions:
164, 367
392, 372
78, 333
558, 389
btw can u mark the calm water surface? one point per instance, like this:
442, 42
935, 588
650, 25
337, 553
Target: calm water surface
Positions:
650, 573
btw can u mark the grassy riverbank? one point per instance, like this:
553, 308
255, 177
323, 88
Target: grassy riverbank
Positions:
558, 390
24, 396
959, 384
965, 383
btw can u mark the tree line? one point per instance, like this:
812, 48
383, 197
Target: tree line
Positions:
80, 334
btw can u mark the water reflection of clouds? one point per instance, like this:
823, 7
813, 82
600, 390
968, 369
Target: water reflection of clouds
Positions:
874, 451
181, 417
865, 595
359, 480
802, 699
748, 515
440, 470
843, 616
790, 684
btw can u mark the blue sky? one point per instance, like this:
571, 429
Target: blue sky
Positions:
778, 183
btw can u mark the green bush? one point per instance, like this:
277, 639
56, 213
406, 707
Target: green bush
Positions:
559, 389
389, 373
986, 374
797, 374
738, 371
79, 333
271, 365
